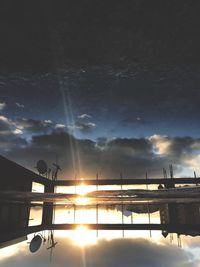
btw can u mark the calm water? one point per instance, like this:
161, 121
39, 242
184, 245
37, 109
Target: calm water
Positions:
84, 247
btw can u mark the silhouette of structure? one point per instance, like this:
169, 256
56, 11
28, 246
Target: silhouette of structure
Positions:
16, 198
14, 216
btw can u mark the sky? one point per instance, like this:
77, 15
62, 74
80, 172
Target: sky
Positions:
107, 87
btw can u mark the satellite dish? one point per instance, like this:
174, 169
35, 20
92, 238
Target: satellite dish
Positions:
35, 243
41, 167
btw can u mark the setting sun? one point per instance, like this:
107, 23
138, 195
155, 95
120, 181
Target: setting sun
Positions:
83, 189
82, 201
84, 237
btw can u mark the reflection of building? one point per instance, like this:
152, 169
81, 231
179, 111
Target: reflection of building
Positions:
14, 216
179, 214
14, 210
143, 208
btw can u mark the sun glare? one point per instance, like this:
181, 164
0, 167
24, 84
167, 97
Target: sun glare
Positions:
82, 201
83, 189
84, 236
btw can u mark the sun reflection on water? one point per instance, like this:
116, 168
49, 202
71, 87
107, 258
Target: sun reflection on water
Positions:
83, 189
84, 237
82, 201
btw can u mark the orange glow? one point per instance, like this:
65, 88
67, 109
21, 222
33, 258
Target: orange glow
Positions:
82, 201
83, 189
84, 237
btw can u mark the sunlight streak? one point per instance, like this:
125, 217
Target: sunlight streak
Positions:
69, 117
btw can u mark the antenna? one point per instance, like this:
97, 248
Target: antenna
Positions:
55, 173
149, 215
49, 173
41, 166
171, 171
121, 178
97, 206
164, 173
195, 176
51, 238
179, 240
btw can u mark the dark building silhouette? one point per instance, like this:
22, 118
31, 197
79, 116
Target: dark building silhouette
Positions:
14, 216
181, 214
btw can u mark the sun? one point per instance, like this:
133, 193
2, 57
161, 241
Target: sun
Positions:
83, 189
82, 201
84, 237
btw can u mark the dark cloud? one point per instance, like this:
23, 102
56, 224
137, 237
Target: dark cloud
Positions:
84, 116
85, 126
132, 157
35, 126
177, 148
10, 135
2, 106
136, 145
114, 253
5, 125
19, 105
101, 142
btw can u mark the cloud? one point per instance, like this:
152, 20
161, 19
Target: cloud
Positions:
85, 127
193, 163
17, 131
132, 157
19, 105
60, 126
5, 124
34, 126
114, 253
9, 135
82, 126
161, 144
2, 106
102, 142
84, 116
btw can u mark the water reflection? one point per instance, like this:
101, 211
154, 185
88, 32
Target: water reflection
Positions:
84, 220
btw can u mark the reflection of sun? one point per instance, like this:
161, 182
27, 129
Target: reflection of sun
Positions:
84, 237
83, 189
82, 201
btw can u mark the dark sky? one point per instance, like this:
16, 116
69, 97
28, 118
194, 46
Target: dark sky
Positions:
113, 86
99, 71
37, 35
